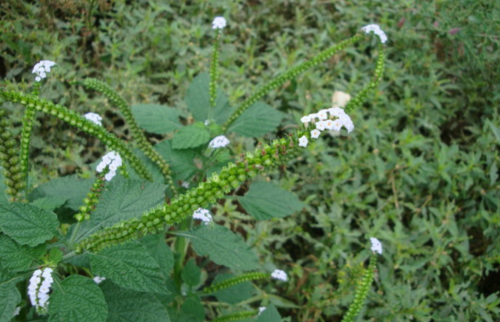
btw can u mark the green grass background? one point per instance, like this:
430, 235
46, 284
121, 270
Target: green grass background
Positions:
420, 171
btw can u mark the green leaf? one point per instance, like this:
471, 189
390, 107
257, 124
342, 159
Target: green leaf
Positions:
266, 200
234, 294
192, 311
70, 188
18, 258
76, 299
191, 273
270, 314
49, 203
156, 118
223, 247
157, 247
27, 224
198, 101
191, 136
10, 297
127, 305
130, 266
495, 130
180, 161
493, 173
121, 200
257, 120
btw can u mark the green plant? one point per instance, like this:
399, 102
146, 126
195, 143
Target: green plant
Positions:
112, 240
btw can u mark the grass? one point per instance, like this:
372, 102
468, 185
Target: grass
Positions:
420, 172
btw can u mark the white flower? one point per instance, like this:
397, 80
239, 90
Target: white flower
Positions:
279, 275
99, 279
261, 309
185, 185
219, 23
42, 68
39, 294
218, 142
315, 134
113, 161
203, 215
93, 117
377, 31
303, 141
337, 125
328, 124
313, 117
376, 245
321, 125
306, 119
336, 112
322, 115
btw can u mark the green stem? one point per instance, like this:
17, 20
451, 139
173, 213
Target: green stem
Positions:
214, 72
28, 120
181, 246
137, 132
289, 75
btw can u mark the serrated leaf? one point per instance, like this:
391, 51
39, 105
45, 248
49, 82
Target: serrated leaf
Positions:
17, 258
130, 266
156, 118
121, 200
10, 297
191, 273
223, 247
27, 224
266, 200
126, 305
234, 294
191, 136
71, 188
77, 299
257, 120
270, 314
198, 101
180, 161
157, 247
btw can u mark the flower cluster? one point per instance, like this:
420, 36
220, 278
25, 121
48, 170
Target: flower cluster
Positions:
218, 142
279, 275
203, 215
113, 161
38, 290
333, 122
377, 31
93, 117
376, 245
219, 23
42, 68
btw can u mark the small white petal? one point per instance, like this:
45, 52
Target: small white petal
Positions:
203, 215
279, 275
306, 119
99, 279
376, 245
323, 115
303, 141
315, 134
321, 125
261, 309
218, 142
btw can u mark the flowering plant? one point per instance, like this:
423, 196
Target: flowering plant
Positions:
127, 242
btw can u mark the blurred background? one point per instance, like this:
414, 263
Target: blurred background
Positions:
419, 172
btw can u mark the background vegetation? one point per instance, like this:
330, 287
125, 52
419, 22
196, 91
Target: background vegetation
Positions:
420, 172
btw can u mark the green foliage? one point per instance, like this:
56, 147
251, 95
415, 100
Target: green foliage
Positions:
191, 273
265, 200
156, 118
270, 314
16, 257
191, 136
126, 305
10, 299
130, 266
27, 224
257, 120
58, 188
77, 298
223, 247
230, 290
